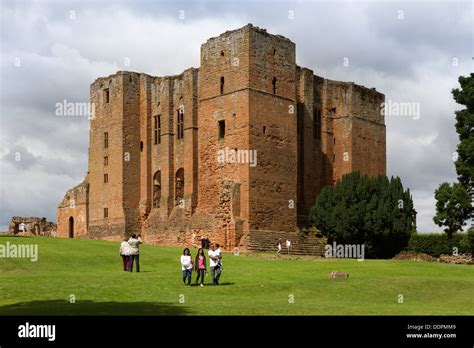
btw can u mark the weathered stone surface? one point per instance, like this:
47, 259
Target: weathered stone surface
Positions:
33, 226
173, 186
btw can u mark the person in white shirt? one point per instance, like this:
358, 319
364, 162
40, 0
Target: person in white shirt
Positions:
214, 264
288, 245
219, 263
279, 246
186, 266
134, 242
125, 253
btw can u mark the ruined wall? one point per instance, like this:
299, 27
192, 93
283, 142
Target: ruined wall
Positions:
108, 119
302, 131
33, 226
273, 132
368, 132
223, 211
172, 155
314, 142
72, 212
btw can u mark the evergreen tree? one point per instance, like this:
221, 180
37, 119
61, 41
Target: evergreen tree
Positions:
465, 129
376, 212
453, 205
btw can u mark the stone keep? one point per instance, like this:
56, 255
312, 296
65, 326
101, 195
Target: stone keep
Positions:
155, 164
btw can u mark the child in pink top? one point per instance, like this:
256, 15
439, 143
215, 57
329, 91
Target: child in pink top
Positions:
200, 264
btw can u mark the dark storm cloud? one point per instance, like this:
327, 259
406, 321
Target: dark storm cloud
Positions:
63, 47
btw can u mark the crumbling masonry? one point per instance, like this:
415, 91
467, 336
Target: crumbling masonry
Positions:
162, 153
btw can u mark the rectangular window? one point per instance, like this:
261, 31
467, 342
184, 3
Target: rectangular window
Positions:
106, 139
222, 84
106, 95
106, 161
221, 129
157, 129
106, 178
180, 124
106, 212
317, 124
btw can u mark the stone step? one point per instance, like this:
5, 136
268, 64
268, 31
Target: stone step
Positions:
301, 244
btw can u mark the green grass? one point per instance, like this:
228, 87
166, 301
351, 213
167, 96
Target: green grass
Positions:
254, 284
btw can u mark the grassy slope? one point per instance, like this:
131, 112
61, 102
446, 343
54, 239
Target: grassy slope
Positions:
252, 285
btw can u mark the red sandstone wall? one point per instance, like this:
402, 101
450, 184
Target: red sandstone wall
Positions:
222, 200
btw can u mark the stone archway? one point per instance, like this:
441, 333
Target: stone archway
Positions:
71, 227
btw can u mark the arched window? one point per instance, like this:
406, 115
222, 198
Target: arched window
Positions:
156, 189
222, 84
274, 83
179, 185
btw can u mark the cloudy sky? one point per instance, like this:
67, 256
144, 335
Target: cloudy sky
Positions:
412, 51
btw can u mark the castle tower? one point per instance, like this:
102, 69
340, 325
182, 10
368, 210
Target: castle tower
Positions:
114, 156
247, 114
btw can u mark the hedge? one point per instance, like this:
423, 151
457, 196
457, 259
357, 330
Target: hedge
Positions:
435, 244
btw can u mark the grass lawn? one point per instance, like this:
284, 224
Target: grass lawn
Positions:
254, 284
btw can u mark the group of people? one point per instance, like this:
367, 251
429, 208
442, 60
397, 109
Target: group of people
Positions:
130, 253
199, 264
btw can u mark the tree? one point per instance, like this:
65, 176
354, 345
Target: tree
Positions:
465, 129
375, 211
453, 205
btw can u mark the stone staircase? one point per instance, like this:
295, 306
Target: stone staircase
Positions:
301, 243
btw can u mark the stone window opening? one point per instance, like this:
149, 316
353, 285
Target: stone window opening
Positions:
274, 51
333, 110
221, 129
264, 129
106, 161
222, 53
106, 95
106, 140
106, 178
317, 124
180, 123
157, 189
179, 185
141, 146
222, 84
71, 227
157, 129
334, 157
274, 83
106, 212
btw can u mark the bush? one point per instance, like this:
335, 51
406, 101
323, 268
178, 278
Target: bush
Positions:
374, 211
435, 244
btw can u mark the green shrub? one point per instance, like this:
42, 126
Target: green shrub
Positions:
374, 211
435, 244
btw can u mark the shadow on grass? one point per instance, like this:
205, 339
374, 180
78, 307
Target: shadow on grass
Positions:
62, 307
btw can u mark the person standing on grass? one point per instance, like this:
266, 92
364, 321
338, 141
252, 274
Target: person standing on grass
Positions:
200, 266
125, 253
186, 266
279, 246
213, 263
219, 263
288, 245
135, 242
